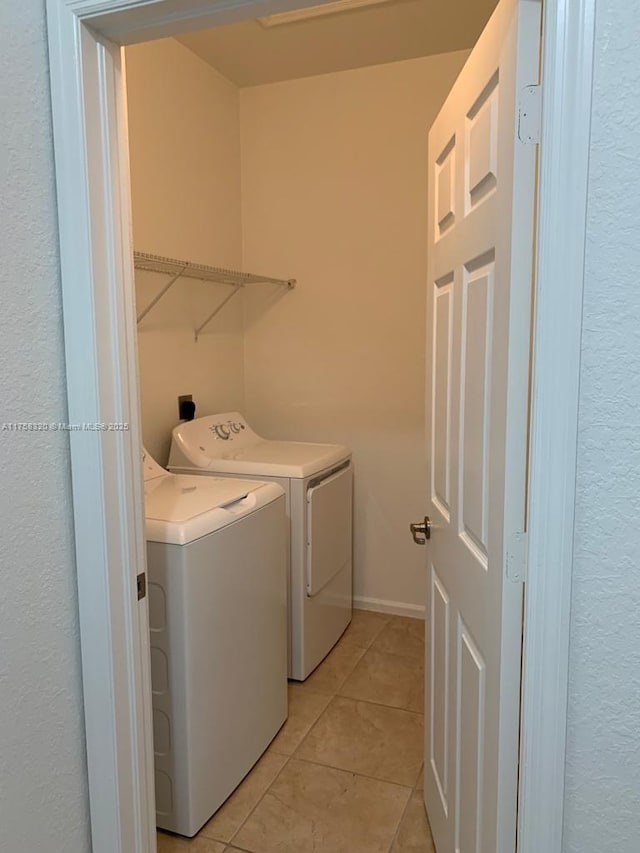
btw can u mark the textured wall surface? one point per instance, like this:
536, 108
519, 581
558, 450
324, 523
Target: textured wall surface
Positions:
603, 762
43, 806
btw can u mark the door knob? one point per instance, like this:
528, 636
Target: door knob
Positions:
422, 531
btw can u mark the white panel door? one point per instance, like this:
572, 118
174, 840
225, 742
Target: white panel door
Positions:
481, 221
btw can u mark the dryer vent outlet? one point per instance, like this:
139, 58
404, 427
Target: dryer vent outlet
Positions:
186, 408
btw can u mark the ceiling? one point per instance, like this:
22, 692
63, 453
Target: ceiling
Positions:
250, 54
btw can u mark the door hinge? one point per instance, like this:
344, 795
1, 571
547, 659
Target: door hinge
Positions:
530, 114
517, 558
142, 585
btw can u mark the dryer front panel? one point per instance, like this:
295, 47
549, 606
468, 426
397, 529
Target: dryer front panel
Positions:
329, 528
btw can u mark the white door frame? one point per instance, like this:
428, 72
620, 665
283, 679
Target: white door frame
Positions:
92, 171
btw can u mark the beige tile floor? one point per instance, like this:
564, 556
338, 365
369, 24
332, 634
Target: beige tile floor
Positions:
344, 774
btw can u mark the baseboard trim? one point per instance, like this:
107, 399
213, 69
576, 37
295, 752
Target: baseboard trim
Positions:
382, 605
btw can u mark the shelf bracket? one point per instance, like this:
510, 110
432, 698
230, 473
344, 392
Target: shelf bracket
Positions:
236, 289
159, 296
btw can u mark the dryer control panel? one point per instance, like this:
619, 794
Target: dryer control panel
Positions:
210, 437
209, 431
227, 430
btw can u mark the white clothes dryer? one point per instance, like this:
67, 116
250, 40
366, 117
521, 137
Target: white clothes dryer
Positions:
216, 563
318, 484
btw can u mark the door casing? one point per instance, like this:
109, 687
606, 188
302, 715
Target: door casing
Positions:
92, 173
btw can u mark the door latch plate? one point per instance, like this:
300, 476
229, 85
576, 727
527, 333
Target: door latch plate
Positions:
530, 114
142, 585
517, 558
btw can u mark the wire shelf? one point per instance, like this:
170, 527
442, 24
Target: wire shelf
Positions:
188, 269
177, 269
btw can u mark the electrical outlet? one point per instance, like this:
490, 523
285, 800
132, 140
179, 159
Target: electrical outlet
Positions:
184, 398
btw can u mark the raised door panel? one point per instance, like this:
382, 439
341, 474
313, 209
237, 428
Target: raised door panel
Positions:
445, 189
438, 689
470, 743
441, 390
481, 146
475, 394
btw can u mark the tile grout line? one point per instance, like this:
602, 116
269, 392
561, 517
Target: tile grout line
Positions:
368, 701
375, 636
353, 773
375, 639
299, 746
404, 655
402, 817
347, 676
379, 704
261, 798
406, 809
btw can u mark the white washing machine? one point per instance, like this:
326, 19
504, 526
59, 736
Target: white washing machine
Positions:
217, 586
318, 483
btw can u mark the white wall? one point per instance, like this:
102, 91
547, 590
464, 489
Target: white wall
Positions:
334, 193
603, 760
184, 135
43, 786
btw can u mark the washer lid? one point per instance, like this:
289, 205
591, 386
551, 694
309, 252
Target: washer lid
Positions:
180, 497
150, 467
181, 508
226, 444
